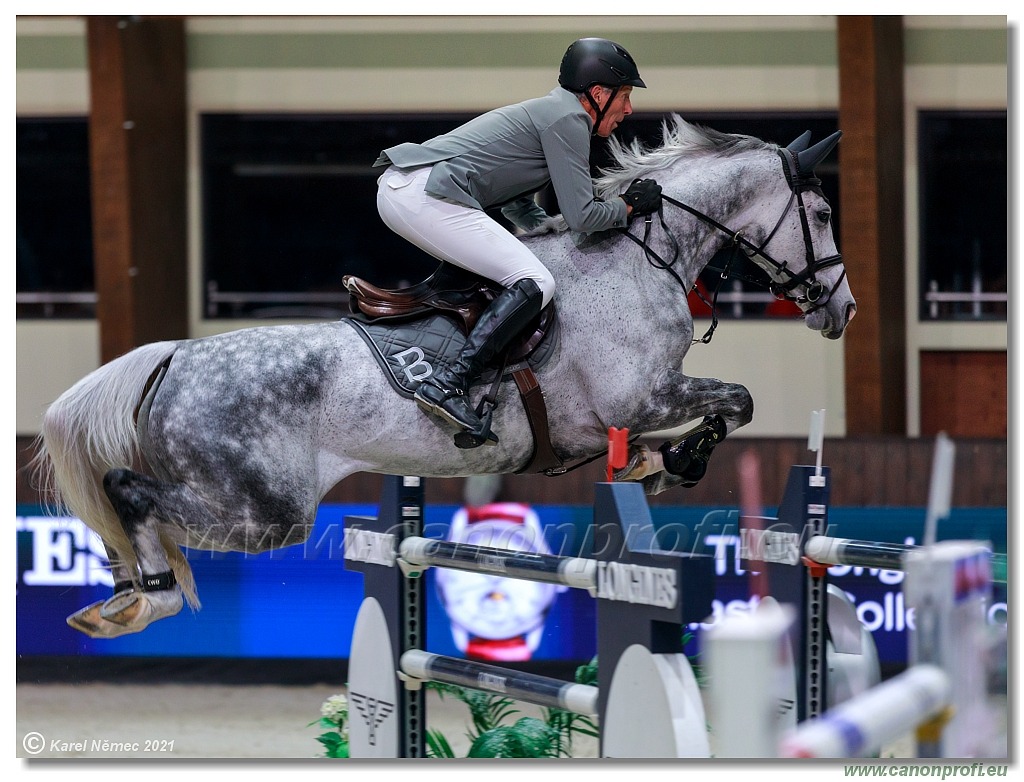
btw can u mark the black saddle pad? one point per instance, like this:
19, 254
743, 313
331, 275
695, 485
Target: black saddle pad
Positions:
410, 352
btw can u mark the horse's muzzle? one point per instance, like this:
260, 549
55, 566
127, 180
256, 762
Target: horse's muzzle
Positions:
837, 326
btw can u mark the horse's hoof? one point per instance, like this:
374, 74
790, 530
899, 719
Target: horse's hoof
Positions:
640, 465
89, 621
659, 482
138, 609
124, 608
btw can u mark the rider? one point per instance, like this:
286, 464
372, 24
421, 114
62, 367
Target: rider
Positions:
434, 194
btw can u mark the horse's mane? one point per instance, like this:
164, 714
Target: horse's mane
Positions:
680, 139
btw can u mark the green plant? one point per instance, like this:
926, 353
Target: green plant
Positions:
333, 719
698, 668
486, 713
527, 737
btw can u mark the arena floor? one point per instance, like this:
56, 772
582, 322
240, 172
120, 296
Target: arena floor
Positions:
215, 721
201, 721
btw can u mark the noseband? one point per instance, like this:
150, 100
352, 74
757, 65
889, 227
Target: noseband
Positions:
812, 290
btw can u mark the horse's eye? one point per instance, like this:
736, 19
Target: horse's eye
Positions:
824, 215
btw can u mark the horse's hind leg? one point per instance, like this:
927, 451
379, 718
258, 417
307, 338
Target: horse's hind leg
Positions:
90, 620
159, 516
153, 593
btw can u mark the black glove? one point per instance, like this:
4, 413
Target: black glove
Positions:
644, 195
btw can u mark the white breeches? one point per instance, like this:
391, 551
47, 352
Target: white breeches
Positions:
455, 233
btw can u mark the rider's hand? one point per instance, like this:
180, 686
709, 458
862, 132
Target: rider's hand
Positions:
643, 197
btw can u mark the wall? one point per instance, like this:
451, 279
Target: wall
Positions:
868, 472
364, 64
947, 67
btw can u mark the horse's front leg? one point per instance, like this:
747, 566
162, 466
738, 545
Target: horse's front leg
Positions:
722, 407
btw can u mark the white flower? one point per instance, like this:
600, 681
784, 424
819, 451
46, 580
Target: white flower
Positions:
334, 707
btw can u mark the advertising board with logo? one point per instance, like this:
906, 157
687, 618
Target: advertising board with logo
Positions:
301, 602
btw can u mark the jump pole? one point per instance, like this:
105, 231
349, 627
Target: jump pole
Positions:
647, 700
417, 553
882, 555
539, 690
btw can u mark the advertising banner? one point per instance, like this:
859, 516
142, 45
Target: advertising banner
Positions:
301, 602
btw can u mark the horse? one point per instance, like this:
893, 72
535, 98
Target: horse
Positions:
229, 442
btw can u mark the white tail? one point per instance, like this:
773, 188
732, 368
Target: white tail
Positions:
89, 430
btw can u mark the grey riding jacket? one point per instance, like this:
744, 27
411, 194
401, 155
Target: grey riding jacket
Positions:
501, 158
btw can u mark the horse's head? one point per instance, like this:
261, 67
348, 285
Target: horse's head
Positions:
763, 198
798, 251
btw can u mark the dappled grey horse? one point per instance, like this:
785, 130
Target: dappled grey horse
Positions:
229, 442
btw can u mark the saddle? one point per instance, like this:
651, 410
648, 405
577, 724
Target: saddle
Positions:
390, 320
449, 289
456, 292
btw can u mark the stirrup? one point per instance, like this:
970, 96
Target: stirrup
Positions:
469, 438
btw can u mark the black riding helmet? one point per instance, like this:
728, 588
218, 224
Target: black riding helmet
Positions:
590, 61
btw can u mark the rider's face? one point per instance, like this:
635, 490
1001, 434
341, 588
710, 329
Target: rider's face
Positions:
618, 108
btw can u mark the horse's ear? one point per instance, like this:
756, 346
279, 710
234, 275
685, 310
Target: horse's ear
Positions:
809, 158
799, 144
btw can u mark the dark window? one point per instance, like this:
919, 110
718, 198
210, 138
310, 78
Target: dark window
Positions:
963, 224
289, 207
54, 224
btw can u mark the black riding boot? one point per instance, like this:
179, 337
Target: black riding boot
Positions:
445, 394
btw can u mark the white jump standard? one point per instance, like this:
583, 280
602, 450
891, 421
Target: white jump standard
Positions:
647, 700
942, 694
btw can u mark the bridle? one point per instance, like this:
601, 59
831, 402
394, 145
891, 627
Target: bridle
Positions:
802, 287
798, 183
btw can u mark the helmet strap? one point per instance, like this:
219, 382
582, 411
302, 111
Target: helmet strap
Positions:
598, 110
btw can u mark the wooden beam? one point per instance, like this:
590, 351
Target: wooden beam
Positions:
138, 162
871, 158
